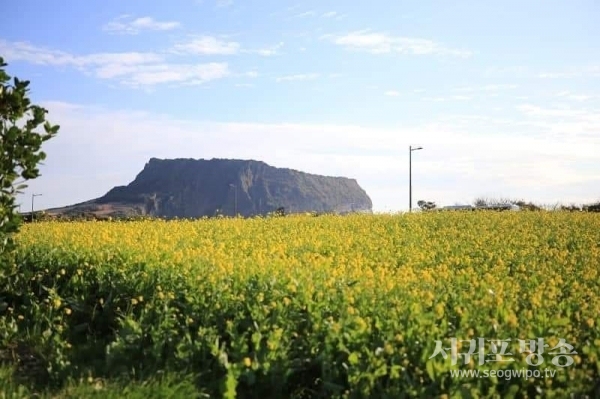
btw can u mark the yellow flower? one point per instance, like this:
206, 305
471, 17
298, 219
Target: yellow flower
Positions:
438, 310
590, 322
492, 275
512, 320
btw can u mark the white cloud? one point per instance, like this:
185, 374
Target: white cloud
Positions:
392, 93
129, 68
250, 74
149, 75
535, 110
440, 99
267, 51
207, 45
556, 75
305, 76
434, 99
126, 24
305, 14
488, 88
294, 7
580, 97
102, 65
561, 122
575, 97
589, 71
23, 51
329, 14
224, 3
382, 43
511, 71
211, 45
464, 156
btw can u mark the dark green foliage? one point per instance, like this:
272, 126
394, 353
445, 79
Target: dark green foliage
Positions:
527, 206
20, 149
20, 154
571, 208
592, 207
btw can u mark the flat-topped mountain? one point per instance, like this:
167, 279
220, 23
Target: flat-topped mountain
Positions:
195, 188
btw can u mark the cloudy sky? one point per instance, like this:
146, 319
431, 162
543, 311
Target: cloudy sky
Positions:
503, 96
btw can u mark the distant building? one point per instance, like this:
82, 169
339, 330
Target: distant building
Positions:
458, 208
499, 207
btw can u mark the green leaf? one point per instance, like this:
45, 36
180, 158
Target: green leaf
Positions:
430, 369
560, 322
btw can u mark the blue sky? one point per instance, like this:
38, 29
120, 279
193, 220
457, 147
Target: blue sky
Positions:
503, 96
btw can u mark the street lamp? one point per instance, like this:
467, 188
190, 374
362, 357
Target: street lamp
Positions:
410, 150
235, 198
32, 197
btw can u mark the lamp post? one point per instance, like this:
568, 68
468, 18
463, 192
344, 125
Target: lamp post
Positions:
410, 151
235, 198
32, 197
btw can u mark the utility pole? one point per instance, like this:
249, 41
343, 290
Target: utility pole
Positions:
410, 150
32, 197
235, 199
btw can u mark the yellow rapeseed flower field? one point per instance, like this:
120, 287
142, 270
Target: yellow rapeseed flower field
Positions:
346, 306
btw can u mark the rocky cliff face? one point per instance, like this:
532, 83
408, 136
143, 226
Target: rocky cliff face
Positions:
195, 188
